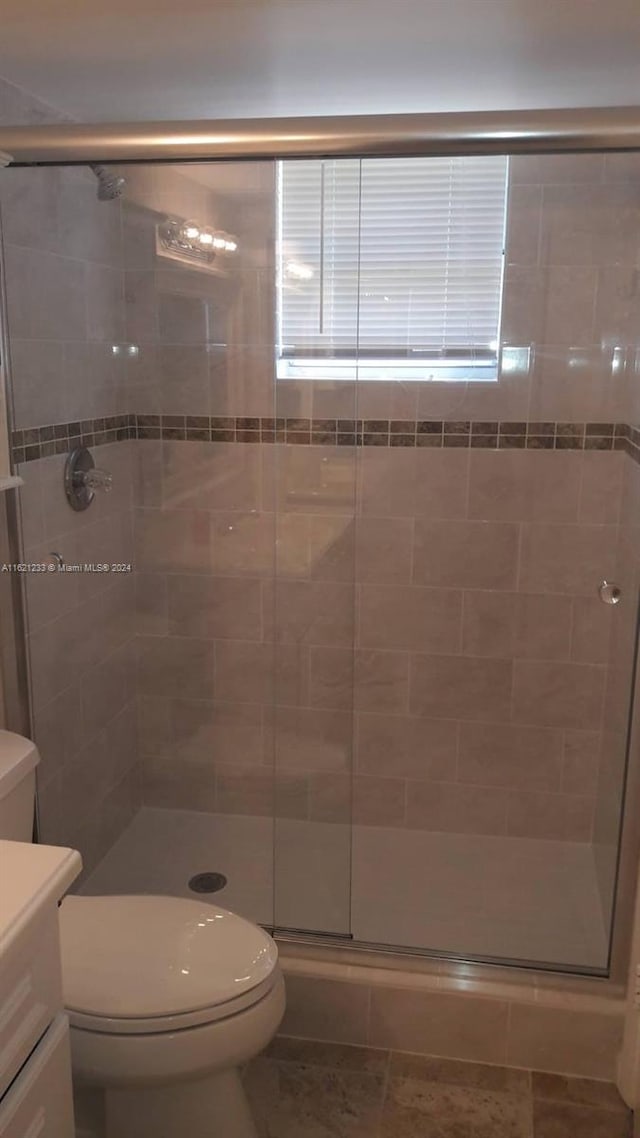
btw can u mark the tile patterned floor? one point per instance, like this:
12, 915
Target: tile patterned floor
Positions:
303, 1089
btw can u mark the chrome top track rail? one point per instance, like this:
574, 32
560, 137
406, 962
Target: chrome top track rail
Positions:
512, 132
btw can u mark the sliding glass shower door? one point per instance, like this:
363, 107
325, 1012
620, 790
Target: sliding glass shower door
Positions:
367, 669
488, 305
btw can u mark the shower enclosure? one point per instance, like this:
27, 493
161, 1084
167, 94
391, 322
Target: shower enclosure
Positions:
365, 644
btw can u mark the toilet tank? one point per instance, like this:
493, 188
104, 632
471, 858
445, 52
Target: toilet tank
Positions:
18, 760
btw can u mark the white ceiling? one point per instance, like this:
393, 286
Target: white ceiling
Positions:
123, 60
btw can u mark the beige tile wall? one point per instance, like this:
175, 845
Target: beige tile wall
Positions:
204, 550
205, 520
465, 578
489, 1022
82, 659
65, 300
479, 671
612, 758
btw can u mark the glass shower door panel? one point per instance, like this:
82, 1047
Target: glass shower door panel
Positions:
204, 539
492, 750
314, 469
151, 343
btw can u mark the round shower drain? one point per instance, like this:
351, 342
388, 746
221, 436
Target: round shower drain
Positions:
207, 882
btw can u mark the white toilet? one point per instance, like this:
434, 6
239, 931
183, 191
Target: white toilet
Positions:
166, 997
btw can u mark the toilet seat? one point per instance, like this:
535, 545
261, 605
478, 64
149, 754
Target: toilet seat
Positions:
136, 965
154, 1025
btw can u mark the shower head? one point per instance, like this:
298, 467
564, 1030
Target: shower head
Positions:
110, 185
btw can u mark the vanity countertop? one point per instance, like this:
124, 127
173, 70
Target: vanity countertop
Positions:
31, 877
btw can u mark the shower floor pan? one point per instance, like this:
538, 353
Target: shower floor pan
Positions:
470, 895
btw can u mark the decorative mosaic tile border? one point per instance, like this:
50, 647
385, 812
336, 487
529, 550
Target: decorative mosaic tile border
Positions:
59, 438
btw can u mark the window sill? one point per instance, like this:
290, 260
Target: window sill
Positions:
383, 370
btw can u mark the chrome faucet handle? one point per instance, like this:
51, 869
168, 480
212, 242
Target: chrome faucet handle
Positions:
82, 479
95, 479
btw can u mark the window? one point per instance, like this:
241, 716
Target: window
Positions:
391, 265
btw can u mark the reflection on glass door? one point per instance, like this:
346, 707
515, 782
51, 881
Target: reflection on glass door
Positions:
315, 491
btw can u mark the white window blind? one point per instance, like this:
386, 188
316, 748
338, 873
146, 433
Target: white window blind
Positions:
392, 257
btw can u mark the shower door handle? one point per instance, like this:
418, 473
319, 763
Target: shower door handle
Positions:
609, 592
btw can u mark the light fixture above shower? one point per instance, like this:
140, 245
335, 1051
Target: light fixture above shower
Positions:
197, 245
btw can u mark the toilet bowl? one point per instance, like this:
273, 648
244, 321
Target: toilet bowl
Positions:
167, 998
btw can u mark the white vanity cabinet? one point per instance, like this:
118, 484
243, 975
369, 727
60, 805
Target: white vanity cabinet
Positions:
35, 1062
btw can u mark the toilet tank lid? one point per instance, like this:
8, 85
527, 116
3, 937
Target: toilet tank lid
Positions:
18, 756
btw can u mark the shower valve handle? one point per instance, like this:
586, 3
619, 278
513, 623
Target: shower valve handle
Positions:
94, 479
82, 479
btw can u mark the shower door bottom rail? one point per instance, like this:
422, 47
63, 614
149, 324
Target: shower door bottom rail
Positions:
285, 932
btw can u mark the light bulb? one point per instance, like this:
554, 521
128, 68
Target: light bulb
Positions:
230, 246
219, 243
206, 238
190, 230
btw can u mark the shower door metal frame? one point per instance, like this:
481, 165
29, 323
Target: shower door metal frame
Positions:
557, 131
14, 657
358, 136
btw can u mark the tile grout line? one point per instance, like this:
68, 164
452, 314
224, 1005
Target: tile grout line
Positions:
385, 1088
